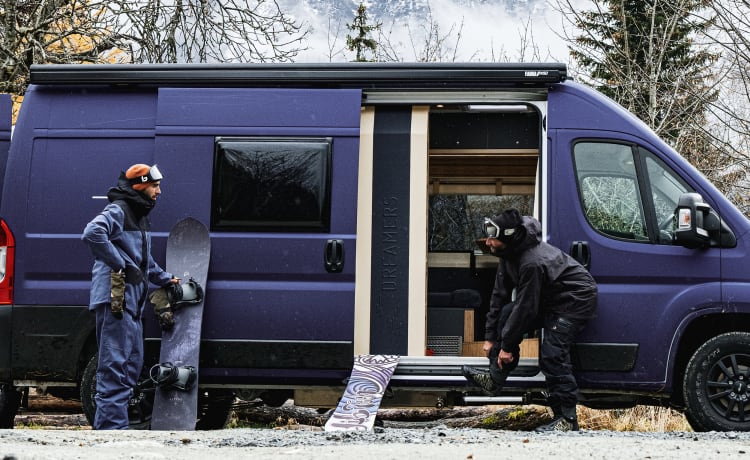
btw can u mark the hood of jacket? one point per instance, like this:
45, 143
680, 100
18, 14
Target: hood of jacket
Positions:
137, 201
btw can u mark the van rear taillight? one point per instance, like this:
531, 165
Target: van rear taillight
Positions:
7, 260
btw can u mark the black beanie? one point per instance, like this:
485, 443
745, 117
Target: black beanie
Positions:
509, 219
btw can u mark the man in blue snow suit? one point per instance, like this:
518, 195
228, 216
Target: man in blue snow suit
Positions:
552, 290
120, 240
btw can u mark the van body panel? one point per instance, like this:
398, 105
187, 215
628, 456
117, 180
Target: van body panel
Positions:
47, 341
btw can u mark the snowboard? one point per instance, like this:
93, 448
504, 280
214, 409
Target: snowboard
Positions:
188, 253
358, 407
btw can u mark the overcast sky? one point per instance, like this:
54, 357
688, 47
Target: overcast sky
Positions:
488, 33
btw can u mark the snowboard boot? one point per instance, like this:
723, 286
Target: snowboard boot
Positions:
482, 379
565, 419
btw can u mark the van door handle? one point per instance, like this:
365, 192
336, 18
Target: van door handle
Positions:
334, 256
579, 250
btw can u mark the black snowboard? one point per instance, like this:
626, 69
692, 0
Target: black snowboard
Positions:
188, 253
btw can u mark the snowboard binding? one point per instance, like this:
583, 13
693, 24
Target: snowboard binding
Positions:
170, 377
180, 295
168, 299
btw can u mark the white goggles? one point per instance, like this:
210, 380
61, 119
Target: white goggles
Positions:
491, 230
153, 175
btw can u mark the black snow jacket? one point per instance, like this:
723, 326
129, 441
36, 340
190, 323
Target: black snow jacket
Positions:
547, 282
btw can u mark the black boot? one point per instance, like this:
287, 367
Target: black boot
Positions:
482, 379
565, 419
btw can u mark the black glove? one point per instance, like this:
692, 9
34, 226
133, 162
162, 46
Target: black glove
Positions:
160, 299
117, 293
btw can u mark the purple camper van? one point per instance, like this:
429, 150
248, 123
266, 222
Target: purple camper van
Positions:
344, 202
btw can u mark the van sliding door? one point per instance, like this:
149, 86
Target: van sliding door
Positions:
274, 174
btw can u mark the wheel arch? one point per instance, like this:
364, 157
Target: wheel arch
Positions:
698, 332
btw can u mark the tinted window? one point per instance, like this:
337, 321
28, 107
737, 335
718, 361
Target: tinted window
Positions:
269, 184
608, 184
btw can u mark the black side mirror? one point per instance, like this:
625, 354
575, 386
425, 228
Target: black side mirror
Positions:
696, 221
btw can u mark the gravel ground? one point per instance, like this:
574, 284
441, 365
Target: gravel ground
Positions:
383, 443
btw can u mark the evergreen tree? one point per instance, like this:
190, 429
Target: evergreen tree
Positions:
362, 42
642, 54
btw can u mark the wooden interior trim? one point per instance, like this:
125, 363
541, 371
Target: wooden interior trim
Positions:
484, 152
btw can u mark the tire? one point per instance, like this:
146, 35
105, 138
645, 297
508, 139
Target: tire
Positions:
717, 384
140, 407
10, 399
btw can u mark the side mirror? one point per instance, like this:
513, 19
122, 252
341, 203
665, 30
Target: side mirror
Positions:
696, 221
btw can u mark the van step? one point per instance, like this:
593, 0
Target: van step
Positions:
484, 400
448, 368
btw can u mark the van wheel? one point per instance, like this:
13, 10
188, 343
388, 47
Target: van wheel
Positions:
10, 399
717, 384
140, 407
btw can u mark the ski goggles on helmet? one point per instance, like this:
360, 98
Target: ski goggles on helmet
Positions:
492, 230
153, 175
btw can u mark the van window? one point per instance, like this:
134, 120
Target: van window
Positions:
666, 189
614, 179
456, 221
271, 184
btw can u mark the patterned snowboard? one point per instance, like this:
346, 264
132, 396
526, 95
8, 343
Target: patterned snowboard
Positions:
364, 392
188, 253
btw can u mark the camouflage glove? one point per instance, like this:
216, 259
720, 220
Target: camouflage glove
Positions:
117, 293
163, 310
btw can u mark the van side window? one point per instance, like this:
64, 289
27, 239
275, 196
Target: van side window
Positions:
627, 192
609, 189
666, 189
271, 184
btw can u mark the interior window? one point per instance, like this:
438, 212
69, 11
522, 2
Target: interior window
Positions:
277, 184
455, 221
609, 189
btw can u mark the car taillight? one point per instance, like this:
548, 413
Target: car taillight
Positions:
7, 259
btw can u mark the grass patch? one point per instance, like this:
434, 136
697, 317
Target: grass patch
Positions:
639, 418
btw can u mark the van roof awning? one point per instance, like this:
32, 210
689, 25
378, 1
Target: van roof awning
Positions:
365, 75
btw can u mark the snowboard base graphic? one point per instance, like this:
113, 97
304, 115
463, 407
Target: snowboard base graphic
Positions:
364, 392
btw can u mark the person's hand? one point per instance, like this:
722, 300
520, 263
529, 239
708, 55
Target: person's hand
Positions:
487, 347
504, 357
175, 280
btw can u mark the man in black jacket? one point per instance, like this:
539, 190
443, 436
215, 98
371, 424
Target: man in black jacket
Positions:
551, 289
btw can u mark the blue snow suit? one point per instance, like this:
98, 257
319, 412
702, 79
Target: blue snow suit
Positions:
119, 238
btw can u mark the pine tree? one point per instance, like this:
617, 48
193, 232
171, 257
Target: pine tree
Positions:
362, 42
642, 54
